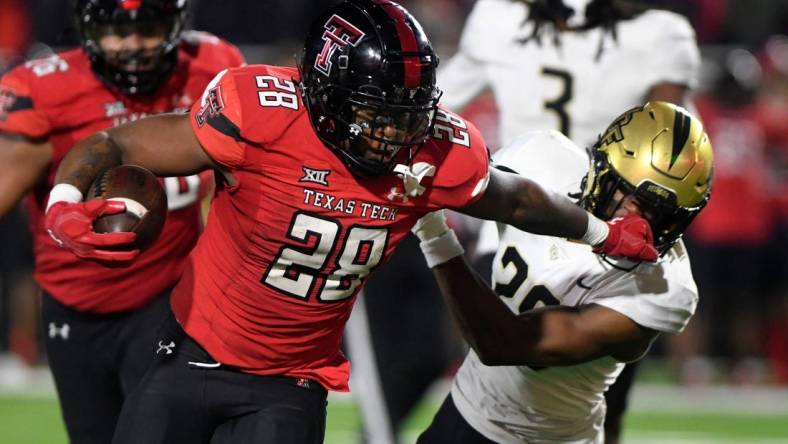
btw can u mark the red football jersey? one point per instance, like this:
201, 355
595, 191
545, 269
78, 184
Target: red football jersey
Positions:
741, 211
273, 278
59, 98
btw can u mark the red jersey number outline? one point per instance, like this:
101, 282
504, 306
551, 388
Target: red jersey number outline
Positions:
296, 268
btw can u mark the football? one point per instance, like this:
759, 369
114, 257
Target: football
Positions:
145, 199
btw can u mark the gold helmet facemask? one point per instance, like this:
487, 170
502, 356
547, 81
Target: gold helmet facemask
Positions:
659, 154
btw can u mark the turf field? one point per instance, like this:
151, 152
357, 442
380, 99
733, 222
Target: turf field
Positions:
660, 415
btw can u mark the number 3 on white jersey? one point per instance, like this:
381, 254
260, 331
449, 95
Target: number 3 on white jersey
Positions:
297, 267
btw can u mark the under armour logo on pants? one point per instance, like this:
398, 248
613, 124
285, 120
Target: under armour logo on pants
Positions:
167, 347
55, 331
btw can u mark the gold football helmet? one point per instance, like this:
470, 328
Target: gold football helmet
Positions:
660, 154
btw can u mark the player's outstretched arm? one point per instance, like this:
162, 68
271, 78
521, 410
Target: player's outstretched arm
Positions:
23, 162
165, 144
551, 336
522, 203
517, 201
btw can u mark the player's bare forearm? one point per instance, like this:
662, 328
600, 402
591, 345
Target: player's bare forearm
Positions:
164, 144
483, 319
496, 334
550, 336
517, 201
87, 160
23, 163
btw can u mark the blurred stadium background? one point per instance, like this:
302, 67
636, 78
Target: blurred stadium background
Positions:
724, 380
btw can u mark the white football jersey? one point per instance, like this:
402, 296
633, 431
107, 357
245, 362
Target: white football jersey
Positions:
565, 87
511, 404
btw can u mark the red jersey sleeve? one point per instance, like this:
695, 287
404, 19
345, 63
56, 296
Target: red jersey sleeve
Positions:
213, 51
217, 121
18, 112
249, 106
462, 174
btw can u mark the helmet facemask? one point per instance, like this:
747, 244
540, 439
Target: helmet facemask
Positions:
371, 129
604, 192
142, 69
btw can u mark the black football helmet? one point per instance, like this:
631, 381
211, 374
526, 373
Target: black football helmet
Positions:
98, 18
368, 82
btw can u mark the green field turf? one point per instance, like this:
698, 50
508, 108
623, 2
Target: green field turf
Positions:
35, 420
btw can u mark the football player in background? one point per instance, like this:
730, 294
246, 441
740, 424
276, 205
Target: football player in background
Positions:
324, 169
99, 322
559, 322
572, 66
730, 241
569, 65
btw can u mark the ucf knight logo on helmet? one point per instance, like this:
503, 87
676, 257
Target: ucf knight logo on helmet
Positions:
339, 32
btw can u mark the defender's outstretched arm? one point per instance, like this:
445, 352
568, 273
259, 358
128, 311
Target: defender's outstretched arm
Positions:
549, 336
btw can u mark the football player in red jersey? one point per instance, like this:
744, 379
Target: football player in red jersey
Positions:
323, 170
99, 321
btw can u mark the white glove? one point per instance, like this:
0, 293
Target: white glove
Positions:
439, 243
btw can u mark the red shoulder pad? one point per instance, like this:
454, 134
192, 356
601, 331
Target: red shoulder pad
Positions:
253, 104
271, 100
461, 160
18, 113
217, 121
211, 52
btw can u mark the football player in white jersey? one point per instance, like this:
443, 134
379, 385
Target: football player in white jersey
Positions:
558, 324
569, 65
572, 66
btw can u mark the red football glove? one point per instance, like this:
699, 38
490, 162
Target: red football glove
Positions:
630, 237
71, 226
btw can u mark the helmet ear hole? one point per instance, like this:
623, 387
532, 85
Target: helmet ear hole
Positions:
344, 61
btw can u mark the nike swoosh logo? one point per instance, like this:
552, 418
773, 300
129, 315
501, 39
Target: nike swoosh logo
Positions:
580, 283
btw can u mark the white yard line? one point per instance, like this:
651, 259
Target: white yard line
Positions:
755, 400
671, 437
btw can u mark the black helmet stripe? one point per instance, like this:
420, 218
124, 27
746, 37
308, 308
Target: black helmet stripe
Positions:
386, 79
681, 130
407, 41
